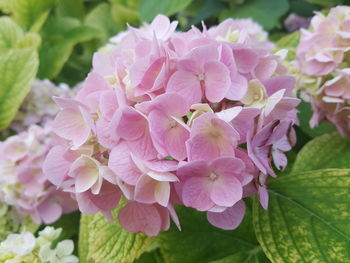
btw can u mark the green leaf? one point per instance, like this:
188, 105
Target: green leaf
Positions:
101, 18
308, 219
326, 3
102, 241
17, 69
304, 115
327, 151
150, 8
26, 12
55, 53
32, 40
10, 34
71, 8
267, 13
289, 42
124, 12
69, 224
198, 241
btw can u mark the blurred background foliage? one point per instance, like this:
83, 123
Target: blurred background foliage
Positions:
64, 34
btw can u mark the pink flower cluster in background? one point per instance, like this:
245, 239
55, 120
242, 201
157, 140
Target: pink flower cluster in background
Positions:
23, 184
322, 54
196, 118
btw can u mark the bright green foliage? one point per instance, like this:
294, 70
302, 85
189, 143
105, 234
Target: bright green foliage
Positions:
150, 8
102, 241
198, 241
327, 151
18, 67
267, 13
26, 12
308, 219
125, 11
289, 42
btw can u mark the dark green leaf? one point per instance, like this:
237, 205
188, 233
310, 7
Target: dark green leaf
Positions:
150, 8
267, 13
308, 219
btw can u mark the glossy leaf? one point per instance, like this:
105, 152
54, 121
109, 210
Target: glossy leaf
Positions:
308, 219
327, 151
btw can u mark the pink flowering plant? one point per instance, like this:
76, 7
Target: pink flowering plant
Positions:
167, 142
196, 118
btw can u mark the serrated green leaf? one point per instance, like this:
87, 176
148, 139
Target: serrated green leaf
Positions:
17, 69
198, 241
26, 12
327, 151
150, 8
102, 241
10, 34
308, 219
267, 13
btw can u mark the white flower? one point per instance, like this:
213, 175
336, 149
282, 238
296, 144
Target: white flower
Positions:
19, 244
48, 234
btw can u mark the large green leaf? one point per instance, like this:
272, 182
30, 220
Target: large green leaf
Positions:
102, 241
17, 69
150, 8
308, 219
327, 151
326, 3
26, 12
267, 13
10, 34
198, 241
125, 11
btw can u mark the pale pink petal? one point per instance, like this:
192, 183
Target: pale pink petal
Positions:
217, 81
145, 190
49, 211
136, 217
230, 218
162, 193
226, 190
187, 85
246, 59
196, 193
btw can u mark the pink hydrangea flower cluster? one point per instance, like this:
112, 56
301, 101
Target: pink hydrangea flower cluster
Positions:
193, 118
23, 184
322, 58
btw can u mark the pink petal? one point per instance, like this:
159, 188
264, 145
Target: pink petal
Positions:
217, 81
246, 59
226, 190
238, 88
136, 217
187, 85
229, 219
162, 193
196, 193
193, 169
145, 190
49, 211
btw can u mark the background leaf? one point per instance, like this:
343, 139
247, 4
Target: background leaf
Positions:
101, 241
267, 13
308, 219
150, 8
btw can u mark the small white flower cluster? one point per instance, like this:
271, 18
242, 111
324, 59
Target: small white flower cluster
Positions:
25, 248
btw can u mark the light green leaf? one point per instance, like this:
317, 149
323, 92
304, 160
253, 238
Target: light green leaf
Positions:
150, 8
102, 241
101, 18
10, 34
71, 8
32, 40
26, 12
267, 13
327, 151
289, 42
124, 12
308, 219
304, 115
17, 69
198, 241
